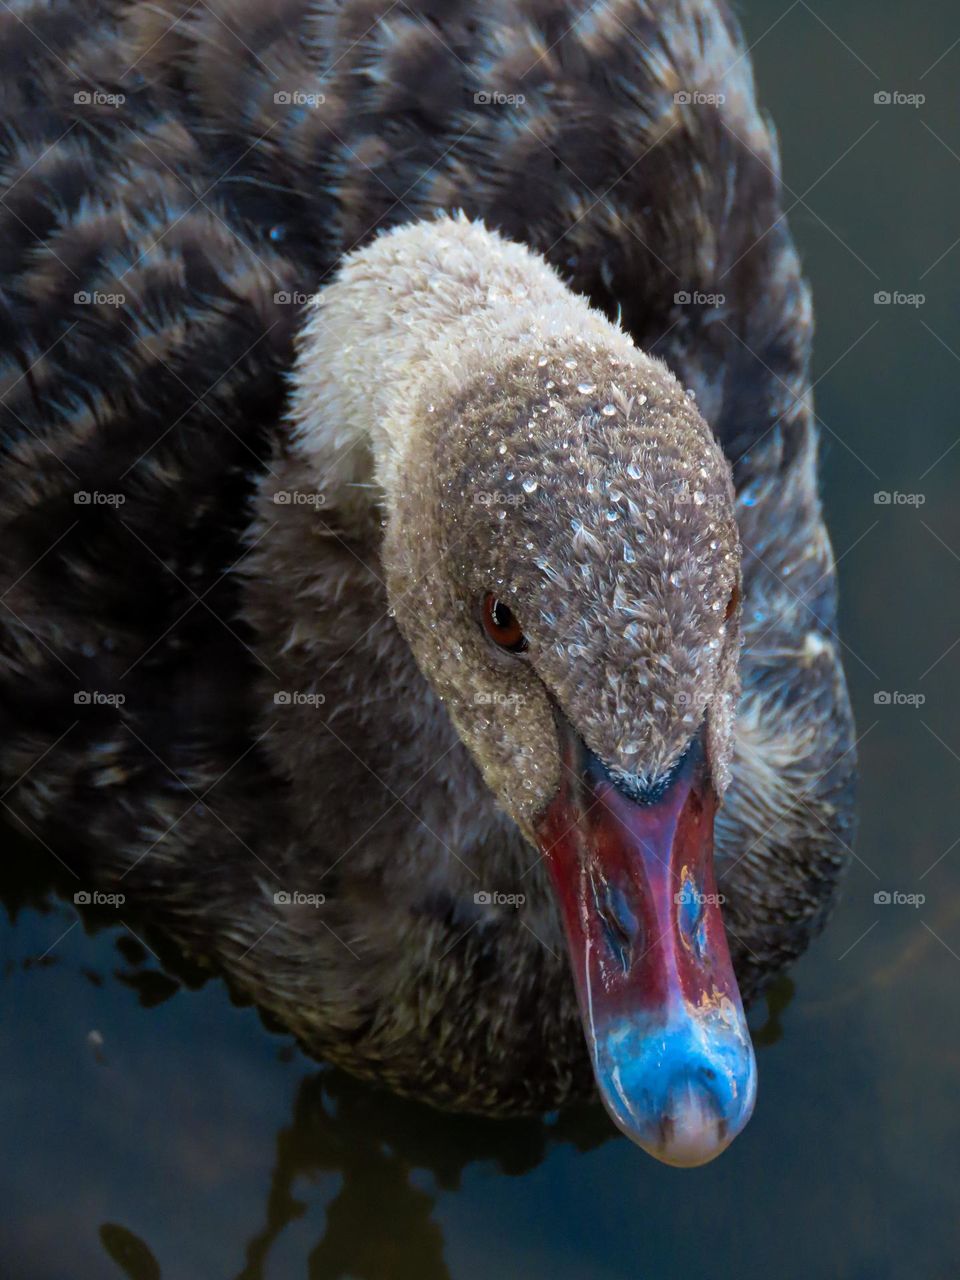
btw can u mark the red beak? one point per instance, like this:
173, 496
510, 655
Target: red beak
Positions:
659, 1000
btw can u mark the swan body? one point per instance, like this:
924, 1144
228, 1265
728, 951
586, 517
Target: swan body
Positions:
290, 518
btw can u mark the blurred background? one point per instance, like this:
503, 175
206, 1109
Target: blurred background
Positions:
150, 1127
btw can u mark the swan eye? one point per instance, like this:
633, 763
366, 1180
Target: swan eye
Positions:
732, 604
501, 625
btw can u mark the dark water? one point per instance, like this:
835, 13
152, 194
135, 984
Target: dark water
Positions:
184, 1140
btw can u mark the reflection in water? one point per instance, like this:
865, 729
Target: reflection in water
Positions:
778, 997
375, 1142
129, 1253
372, 1144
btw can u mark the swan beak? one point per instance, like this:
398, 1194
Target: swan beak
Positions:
661, 1010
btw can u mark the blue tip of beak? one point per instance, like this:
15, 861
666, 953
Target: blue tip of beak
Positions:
681, 1092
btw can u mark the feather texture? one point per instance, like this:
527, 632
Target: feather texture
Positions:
177, 180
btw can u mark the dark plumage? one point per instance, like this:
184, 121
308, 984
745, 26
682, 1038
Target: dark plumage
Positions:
201, 198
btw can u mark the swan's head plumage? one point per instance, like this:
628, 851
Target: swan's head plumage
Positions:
521, 445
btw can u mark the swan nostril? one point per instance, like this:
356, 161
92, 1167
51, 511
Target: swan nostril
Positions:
691, 913
621, 925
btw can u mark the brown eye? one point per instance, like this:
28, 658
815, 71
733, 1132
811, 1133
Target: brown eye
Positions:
732, 604
501, 625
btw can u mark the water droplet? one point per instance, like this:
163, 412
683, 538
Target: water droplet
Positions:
501, 515
633, 471
569, 364
699, 498
674, 579
629, 554
609, 410
528, 484
586, 388
641, 398
501, 449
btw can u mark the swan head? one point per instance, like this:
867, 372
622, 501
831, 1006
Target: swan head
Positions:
561, 555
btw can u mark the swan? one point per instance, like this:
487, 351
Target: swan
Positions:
422, 607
